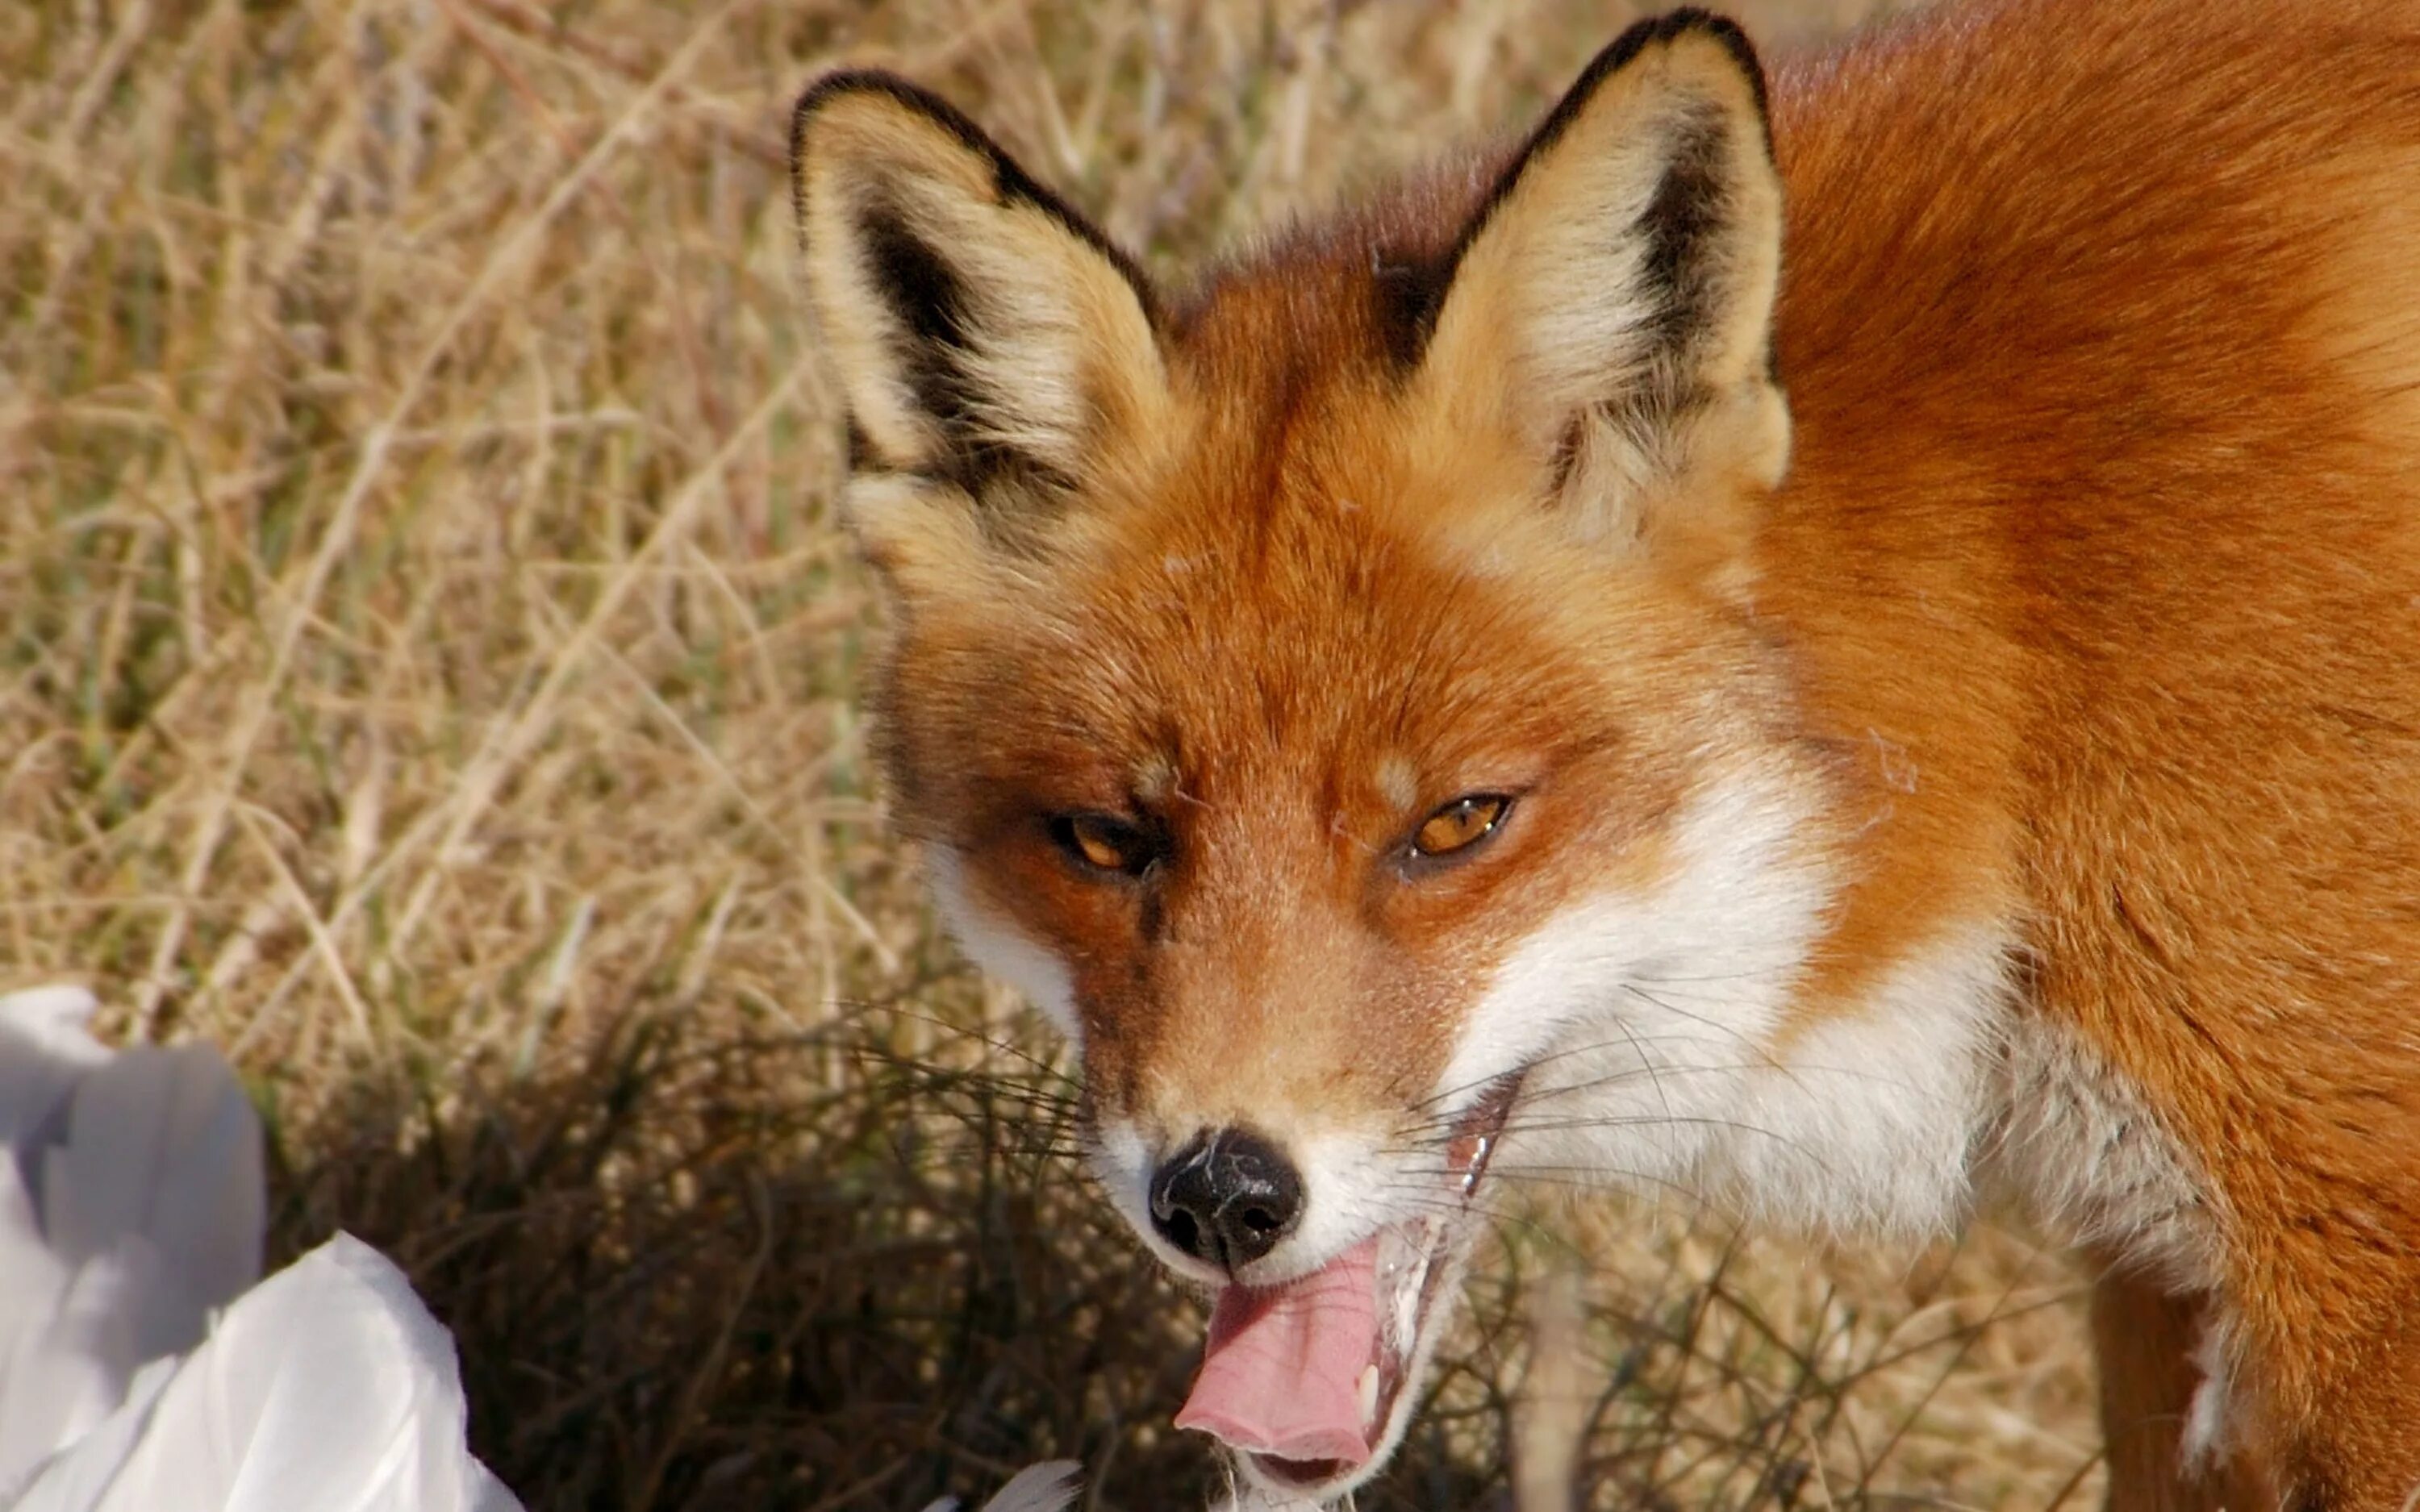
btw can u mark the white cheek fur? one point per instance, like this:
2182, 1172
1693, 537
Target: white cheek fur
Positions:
1657, 1028
992, 941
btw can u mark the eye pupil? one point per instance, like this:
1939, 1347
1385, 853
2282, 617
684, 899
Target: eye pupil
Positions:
1461, 823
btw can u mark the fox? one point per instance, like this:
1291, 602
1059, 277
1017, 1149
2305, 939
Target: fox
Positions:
1842, 639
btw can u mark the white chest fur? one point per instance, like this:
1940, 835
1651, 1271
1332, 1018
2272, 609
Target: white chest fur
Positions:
2076, 1143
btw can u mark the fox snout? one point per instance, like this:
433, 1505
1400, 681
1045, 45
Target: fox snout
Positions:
1227, 1198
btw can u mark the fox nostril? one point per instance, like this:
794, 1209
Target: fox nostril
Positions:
1227, 1198
1181, 1229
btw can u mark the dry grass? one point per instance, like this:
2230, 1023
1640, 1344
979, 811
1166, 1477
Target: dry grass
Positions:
426, 661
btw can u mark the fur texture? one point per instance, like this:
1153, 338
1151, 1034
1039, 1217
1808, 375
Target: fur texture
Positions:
1948, 655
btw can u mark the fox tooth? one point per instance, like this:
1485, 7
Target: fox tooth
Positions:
1368, 1392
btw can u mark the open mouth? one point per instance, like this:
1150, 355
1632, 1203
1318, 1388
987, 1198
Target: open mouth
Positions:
1305, 1380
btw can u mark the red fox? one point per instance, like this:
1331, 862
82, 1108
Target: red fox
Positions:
1841, 642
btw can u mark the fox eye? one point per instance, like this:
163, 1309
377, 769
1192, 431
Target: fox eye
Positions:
1103, 843
1462, 823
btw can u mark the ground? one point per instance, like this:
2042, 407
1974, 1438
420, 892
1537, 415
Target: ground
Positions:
427, 664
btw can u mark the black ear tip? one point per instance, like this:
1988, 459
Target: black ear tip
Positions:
1727, 32
1010, 181
1669, 26
844, 83
853, 81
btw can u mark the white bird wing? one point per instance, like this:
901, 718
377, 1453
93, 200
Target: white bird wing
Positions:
67, 1335
162, 1144
328, 1386
75, 1479
131, 1205
43, 1050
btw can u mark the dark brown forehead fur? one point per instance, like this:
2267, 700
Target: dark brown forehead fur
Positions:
1274, 624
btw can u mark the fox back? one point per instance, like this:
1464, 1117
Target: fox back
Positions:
1834, 642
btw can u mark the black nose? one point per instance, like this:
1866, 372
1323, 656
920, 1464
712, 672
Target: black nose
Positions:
1227, 1197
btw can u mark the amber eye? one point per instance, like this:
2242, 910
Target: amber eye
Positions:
1462, 823
1104, 842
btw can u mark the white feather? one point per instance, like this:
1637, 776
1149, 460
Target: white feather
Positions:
77, 1476
131, 1213
43, 1050
131, 1206
162, 1143
327, 1387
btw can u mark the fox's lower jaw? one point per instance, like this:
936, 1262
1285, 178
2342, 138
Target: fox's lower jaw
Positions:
1381, 1305
1310, 1383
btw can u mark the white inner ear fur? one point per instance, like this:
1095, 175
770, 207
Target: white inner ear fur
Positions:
1058, 345
1554, 327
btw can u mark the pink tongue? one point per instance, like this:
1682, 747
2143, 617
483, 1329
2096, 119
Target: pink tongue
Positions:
1282, 1372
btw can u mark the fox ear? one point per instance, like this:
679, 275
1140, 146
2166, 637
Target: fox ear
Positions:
1611, 302
986, 337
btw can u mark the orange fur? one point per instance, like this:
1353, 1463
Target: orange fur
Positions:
2134, 549
2088, 607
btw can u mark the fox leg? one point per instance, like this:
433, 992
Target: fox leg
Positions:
2145, 1338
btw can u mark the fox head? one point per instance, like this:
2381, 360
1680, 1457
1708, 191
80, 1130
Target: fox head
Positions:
1336, 695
